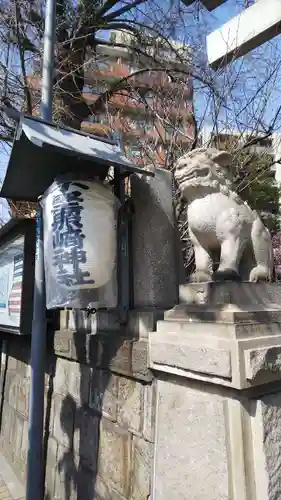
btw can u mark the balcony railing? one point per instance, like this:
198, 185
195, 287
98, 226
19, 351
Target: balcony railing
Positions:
149, 79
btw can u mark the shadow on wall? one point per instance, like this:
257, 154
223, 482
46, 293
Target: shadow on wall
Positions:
78, 460
87, 454
84, 462
14, 400
67, 467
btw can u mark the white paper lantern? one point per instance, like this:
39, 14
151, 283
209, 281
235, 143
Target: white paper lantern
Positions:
79, 234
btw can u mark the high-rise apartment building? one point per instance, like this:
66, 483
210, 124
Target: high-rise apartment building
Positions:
155, 112
153, 106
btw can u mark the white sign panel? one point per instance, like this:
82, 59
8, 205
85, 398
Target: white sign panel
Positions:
11, 278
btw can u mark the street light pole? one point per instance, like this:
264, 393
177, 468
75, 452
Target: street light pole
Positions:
35, 455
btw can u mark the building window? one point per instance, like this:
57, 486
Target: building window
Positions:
87, 89
102, 65
133, 68
163, 53
141, 123
265, 142
134, 151
94, 119
112, 37
180, 125
149, 98
102, 119
146, 78
136, 100
169, 128
174, 128
99, 88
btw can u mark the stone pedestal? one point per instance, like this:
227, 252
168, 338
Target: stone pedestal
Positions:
217, 359
155, 253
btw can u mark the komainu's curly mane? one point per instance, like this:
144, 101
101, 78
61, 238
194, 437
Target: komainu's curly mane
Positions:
216, 163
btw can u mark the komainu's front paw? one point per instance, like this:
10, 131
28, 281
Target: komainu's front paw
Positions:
200, 277
260, 273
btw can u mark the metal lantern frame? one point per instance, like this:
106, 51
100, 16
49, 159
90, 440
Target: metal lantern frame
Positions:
42, 151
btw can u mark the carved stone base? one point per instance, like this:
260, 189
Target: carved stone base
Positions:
225, 330
217, 359
243, 295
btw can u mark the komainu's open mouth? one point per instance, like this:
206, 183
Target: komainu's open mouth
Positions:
192, 175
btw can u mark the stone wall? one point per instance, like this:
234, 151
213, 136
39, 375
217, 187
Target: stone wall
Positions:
99, 391
98, 417
14, 387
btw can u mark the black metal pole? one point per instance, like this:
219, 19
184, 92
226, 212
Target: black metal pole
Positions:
35, 455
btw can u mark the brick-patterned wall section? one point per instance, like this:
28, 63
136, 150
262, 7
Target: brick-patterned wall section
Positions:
14, 387
99, 416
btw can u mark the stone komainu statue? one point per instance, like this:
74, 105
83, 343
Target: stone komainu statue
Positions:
220, 223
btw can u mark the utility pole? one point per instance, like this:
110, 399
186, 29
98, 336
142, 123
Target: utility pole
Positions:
35, 456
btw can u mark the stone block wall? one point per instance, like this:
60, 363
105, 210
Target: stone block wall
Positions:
99, 392
98, 415
14, 394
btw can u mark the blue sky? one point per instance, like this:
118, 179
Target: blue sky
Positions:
253, 70
251, 65
225, 12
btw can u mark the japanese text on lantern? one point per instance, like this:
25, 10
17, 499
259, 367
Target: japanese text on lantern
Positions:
68, 236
